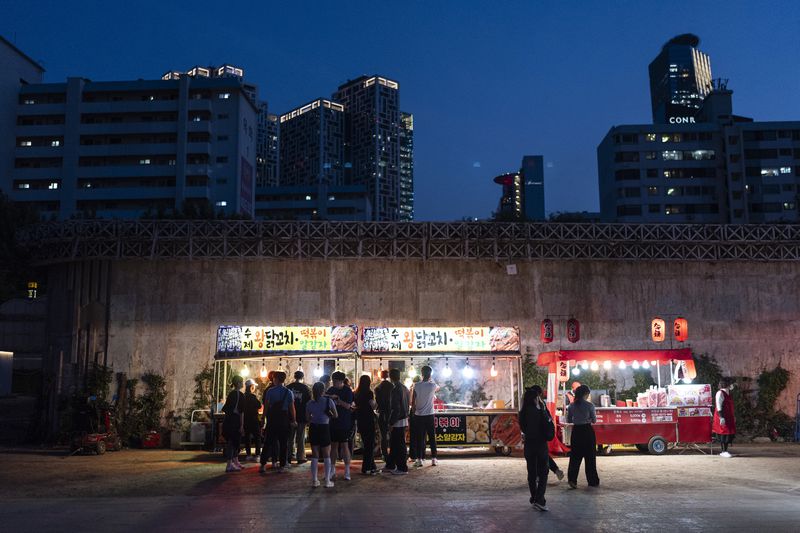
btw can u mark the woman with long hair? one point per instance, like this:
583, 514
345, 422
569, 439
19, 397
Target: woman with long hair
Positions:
537, 429
365, 421
319, 412
581, 414
233, 424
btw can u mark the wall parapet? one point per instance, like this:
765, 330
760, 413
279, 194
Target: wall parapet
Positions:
55, 242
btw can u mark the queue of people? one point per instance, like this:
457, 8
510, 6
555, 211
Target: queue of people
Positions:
330, 412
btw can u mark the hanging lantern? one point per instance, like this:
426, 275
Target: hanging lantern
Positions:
657, 332
547, 332
573, 330
447, 372
563, 371
680, 329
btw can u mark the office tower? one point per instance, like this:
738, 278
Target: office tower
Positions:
127, 149
267, 148
532, 171
372, 141
509, 209
312, 144
680, 77
18, 70
406, 167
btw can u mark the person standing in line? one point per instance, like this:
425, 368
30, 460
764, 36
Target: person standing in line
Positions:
383, 393
297, 436
724, 417
537, 429
581, 414
266, 449
325, 379
412, 429
342, 424
319, 411
365, 420
422, 398
233, 424
281, 417
252, 427
398, 422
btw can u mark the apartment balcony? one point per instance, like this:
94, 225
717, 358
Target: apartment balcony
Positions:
35, 173
143, 106
145, 149
126, 171
41, 109
122, 128
51, 130
124, 193
23, 152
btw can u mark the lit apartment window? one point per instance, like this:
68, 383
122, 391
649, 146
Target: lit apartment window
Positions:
172, 162
224, 96
221, 203
786, 170
650, 155
770, 172
650, 137
52, 185
331, 198
144, 161
55, 143
29, 101
23, 185
196, 119
671, 155
308, 197
652, 191
788, 206
26, 143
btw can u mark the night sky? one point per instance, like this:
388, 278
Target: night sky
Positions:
487, 81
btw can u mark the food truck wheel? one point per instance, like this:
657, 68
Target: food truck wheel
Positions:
657, 446
101, 447
642, 448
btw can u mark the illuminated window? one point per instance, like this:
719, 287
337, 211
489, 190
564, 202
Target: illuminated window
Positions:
652, 191
224, 96
308, 197
649, 155
55, 143
788, 206
650, 137
770, 172
786, 170
144, 161
221, 203
23, 185
52, 185
29, 101
673, 191
671, 155
665, 137
26, 143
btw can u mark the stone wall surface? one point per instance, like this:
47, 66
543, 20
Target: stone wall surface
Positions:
164, 314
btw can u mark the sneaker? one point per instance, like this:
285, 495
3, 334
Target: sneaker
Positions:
434, 461
418, 463
541, 507
302, 461
572, 485
347, 477
373, 472
262, 469
725, 454
400, 472
560, 474
274, 465
388, 471
328, 484
333, 476
231, 468
315, 484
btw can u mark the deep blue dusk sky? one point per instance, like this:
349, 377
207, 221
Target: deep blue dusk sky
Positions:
487, 81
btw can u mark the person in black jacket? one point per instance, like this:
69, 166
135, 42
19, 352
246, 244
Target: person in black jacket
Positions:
383, 393
252, 427
535, 422
398, 422
297, 436
233, 424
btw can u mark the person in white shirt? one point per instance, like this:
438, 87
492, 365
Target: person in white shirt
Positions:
422, 406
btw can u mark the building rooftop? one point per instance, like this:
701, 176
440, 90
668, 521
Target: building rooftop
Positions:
21, 53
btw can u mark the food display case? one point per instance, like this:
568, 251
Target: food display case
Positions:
478, 371
677, 414
253, 351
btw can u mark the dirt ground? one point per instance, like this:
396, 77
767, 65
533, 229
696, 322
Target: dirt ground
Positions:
132, 490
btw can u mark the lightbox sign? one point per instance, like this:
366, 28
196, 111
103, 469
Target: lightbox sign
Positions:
681, 120
460, 339
265, 339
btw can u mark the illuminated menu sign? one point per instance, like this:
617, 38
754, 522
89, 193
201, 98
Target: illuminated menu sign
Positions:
635, 416
236, 339
461, 339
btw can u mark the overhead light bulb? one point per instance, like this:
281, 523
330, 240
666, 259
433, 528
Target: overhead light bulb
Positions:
635, 365
622, 365
493, 371
263, 372
645, 364
653, 363
380, 365
408, 382
576, 371
467, 371
245, 371
594, 365
607, 365
338, 367
280, 365
299, 365
447, 372
318, 370
412, 372
585, 365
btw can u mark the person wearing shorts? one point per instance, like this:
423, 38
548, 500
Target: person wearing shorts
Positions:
319, 412
342, 395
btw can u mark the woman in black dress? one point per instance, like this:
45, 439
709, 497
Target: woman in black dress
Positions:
365, 421
537, 429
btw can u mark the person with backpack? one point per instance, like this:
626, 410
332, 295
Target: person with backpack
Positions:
233, 424
252, 427
537, 429
319, 412
281, 417
581, 414
297, 436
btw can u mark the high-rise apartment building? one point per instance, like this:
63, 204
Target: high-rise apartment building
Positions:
312, 144
127, 149
406, 167
267, 148
680, 78
372, 141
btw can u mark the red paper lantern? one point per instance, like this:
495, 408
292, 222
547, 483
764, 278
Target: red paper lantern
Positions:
680, 329
573, 330
657, 329
547, 331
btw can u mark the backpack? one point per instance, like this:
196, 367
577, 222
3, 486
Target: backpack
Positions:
548, 429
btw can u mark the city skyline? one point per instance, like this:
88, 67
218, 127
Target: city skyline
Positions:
471, 120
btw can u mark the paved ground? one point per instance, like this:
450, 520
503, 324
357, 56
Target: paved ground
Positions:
758, 490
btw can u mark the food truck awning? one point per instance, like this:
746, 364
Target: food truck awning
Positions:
678, 354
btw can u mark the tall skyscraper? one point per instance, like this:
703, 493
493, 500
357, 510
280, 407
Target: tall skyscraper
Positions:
372, 141
680, 78
406, 167
533, 187
267, 148
312, 144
